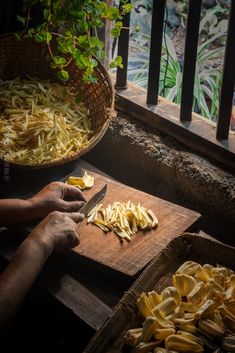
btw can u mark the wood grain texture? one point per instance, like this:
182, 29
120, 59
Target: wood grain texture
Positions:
131, 258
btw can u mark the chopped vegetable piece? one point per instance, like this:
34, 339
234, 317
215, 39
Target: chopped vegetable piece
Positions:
85, 182
173, 321
41, 122
124, 219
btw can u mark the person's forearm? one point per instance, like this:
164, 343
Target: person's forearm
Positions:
19, 276
14, 211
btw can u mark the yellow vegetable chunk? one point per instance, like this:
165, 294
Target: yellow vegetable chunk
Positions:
124, 219
85, 182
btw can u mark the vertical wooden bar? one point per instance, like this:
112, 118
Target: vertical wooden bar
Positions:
123, 48
227, 90
190, 59
155, 50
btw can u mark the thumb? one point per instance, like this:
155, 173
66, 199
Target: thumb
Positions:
72, 206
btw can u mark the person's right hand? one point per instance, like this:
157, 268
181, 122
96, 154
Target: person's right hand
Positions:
58, 231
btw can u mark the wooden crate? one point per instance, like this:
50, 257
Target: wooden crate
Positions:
157, 276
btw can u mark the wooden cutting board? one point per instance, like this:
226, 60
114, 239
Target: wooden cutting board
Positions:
131, 257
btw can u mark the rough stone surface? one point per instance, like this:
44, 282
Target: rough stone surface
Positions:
143, 158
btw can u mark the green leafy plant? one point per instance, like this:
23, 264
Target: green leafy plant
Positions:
206, 83
74, 25
215, 14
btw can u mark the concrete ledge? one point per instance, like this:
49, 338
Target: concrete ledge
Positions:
155, 163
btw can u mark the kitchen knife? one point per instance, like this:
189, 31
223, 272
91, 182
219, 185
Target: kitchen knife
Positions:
93, 201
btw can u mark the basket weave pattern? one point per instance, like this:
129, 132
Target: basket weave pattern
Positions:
27, 57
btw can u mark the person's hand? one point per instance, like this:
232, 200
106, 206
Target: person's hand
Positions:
53, 198
58, 231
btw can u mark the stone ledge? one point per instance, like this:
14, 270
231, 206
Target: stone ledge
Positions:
155, 163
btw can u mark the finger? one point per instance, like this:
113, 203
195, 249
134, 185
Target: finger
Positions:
76, 239
77, 235
71, 206
72, 191
76, 216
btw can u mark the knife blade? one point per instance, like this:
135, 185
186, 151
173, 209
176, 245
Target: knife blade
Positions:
94, 200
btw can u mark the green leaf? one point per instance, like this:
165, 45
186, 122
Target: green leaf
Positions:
59, 60
83, 40
117, 62
46, 13
112, 13
21, 19
39, 37
93, 63
115, 32
118, 24
85, 60
112, 64
17, 35
100, 54
82, 27
48, 37
94, 41
76, 19
82, 61
31, 32
127, 8
53, 65
63, 75
76, 53
89, 79
43, 36
81, 15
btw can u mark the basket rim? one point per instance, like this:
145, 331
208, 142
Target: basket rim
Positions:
63, 160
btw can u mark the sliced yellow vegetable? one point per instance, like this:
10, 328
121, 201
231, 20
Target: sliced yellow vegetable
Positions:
85, 182
41, 122
124, 219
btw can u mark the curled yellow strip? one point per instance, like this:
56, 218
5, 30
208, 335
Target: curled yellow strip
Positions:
85, 182
41, 122
124, 219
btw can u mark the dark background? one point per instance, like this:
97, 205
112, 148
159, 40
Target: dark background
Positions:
9, 9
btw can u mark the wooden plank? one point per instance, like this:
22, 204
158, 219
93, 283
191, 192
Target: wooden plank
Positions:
199, 134
130, 258
75, 296
157, 276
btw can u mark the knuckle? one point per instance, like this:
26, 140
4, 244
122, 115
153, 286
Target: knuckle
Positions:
56, 214
56, 183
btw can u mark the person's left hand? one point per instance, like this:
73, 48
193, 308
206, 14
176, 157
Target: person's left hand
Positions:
53, 198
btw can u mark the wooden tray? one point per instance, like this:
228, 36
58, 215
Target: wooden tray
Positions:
130, 258
157, 276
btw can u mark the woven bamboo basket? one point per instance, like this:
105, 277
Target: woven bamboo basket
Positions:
27, 57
